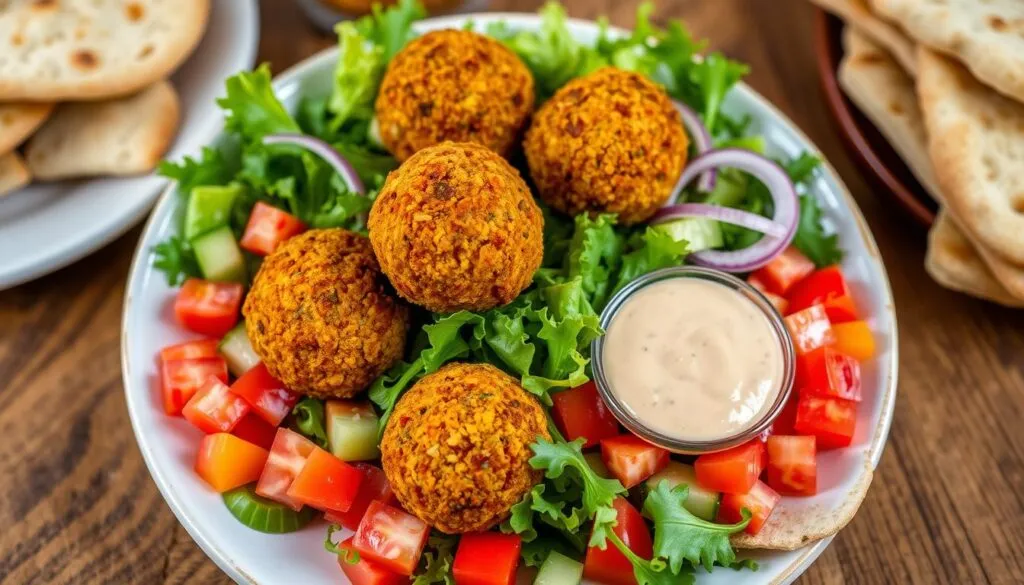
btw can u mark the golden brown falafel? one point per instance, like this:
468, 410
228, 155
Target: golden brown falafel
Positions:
456, 449
320, 315
609, 142
455, 227
453, 85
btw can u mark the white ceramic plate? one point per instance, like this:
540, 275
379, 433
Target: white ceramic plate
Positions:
47, 226
169, 444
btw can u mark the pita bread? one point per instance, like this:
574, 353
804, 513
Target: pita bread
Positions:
985, 35
18, 121
53, 50
954, 263
13, 173
857, 14
976, 143
124, 136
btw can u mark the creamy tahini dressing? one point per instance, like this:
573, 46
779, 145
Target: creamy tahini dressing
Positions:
693, 359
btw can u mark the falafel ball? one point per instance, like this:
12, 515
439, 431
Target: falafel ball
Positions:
455, 227
456, 449
321, 317
453, 85
608, 142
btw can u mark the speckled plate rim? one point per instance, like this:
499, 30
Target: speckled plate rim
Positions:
138, 398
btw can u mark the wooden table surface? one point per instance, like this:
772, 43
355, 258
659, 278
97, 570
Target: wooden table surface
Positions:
947, 503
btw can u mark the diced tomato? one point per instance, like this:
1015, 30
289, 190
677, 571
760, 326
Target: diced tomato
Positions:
390, 537
780, 303
487, 558
631, 459
731, 471
580, 412
841, 310
832, 421
783, 271
610, 566
760, 500
810, 329
181, 379
792, 465
827, 372
826, 287
269, 226
214, 409
287, 457
375, 488
265, 394
255, 430
855, 340
755, 281
326, 482
226, 462
783, 423
209, 308
365, 571
190, 350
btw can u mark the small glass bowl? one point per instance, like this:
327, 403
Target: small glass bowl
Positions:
637, 426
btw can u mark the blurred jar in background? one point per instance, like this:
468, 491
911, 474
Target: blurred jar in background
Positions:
326, 13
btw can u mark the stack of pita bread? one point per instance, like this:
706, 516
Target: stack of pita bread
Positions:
83, 88
944, 82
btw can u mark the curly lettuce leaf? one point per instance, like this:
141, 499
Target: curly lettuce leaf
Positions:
176, 259
391, 28
356, 77
435, 566
211, 168
308, 420
250, 107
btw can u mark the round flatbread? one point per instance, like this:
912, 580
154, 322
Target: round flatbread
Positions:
18, 121
54, 50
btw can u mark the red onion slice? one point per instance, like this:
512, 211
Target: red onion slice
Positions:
702, 143
785, 202
326, 152
738, 217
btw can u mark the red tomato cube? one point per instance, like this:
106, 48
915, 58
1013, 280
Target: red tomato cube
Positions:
827, 372
287, 458
826, 287
255, 430
226, 462
326, 482
391, 538
365, 571
214, 409
610, 566
760, 501
631, 459
733, 471
191, 350
792, 465
180, 379
783, 271
208, 308
375, 488
487, 558
783, 423
580, 412
810, 329
267, 396
268, 226
831, 421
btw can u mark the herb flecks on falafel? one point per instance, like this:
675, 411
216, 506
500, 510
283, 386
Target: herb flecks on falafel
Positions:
609, 142
455, 227
321, 317
453, 85
456, 450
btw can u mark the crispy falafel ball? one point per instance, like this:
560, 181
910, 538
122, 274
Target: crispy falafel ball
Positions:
453, 85
455, 227
609, 142
321, 317
456, 449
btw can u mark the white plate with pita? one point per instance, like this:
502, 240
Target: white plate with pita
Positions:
47, 226
799, 530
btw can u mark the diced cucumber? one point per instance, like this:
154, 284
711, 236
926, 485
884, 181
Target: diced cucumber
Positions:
237, 351
597, 464
219, 256
352, 430
265, 515
699, 233
209, 207
700, 502
559, 569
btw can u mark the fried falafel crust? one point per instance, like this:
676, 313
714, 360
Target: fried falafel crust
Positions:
455, 227
456, 449
609, 142
321, 317
453, 85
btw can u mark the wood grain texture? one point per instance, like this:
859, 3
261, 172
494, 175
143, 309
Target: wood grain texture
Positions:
946, 506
